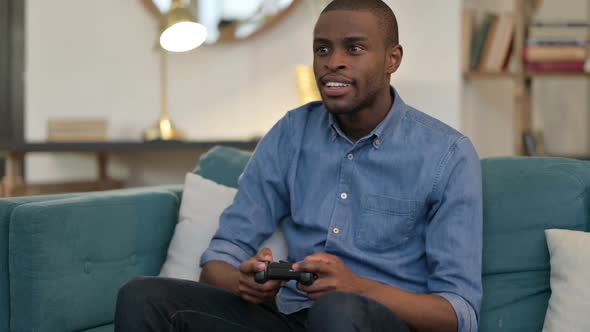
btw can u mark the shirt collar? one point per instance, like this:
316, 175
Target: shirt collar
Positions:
383, 129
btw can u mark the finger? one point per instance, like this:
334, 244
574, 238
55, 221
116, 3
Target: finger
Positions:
322, 257
314, 266
315, 291
249, 281
317, 258
252, 266
265, 254
244, 289
320, 285
265, 296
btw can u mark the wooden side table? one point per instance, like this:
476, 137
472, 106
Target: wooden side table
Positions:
14, 183
13, 178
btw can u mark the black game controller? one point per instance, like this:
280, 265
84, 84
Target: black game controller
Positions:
283, 271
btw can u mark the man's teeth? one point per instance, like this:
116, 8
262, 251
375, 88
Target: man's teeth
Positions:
336, 85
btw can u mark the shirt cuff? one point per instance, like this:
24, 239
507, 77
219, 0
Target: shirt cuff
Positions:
466, 318
225, 251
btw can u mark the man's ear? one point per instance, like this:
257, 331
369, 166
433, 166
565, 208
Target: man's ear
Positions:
395, 53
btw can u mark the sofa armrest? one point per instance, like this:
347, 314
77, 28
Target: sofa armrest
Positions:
69, 257
7, 206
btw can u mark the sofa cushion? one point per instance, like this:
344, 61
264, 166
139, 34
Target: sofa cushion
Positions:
104, 328
198, 219
204, 202
223, 165
69, 257
522, 198
570, 272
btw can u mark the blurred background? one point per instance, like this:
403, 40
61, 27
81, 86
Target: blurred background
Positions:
82, 82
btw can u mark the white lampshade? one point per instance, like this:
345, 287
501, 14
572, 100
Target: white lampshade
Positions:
183, 36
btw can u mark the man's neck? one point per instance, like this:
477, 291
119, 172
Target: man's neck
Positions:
359, 124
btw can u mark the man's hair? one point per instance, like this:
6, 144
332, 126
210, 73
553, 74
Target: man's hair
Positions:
383, 13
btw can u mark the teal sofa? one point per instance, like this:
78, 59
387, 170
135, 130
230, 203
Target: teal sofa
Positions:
64, 257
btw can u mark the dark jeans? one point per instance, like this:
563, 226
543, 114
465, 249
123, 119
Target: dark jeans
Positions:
166, 305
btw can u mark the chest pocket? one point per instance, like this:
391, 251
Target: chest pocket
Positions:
385, 222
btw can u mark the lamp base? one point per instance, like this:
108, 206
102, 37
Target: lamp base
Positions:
164, 130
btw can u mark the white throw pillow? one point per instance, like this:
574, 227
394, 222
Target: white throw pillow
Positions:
203, 201
569, 305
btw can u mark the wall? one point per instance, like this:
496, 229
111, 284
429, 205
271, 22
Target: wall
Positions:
97, 59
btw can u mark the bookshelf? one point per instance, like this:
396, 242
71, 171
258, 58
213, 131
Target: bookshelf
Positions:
522, 121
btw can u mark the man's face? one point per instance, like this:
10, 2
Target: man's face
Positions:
350, 60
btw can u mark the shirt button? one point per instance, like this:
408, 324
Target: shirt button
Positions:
344, 195
377, 142
350, 156
336, 230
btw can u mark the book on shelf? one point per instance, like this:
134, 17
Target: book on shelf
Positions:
489, 44
479, 40
557, 53
562, 66
498, 44
468, 25
559, 33
556, 43
557, 46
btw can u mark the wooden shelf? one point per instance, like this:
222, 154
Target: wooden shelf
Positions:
475, 75
557, 74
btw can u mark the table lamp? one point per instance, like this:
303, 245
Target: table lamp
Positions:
179, 33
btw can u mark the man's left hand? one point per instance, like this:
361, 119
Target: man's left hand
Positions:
332, 274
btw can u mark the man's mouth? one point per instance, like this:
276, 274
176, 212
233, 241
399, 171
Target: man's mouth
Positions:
335, 88
336, 85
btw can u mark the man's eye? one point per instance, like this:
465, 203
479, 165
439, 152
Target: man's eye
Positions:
322, 50
355, 49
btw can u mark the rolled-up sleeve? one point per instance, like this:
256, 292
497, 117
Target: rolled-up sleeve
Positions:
454, 234
261, 202
466, 317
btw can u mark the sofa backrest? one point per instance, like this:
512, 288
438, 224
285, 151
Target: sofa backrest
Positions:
522, 198
223, 165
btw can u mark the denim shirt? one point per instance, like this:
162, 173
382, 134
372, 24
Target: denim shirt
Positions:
401, 206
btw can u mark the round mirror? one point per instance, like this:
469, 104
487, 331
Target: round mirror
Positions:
231, 20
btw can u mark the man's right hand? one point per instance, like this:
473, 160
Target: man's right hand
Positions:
249, 289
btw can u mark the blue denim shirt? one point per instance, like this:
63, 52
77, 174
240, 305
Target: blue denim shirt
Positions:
401, 206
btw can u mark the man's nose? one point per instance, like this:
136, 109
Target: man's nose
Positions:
337, 61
